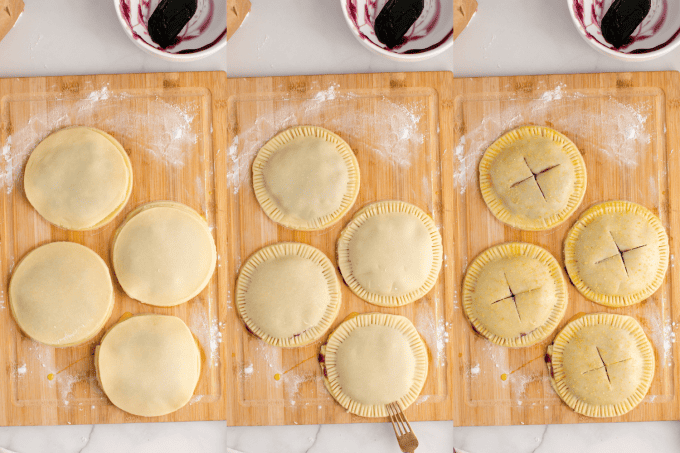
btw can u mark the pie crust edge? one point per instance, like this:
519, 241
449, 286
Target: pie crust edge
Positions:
495, 203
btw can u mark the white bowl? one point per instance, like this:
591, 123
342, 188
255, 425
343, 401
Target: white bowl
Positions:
205, 34
431, 35
657, 35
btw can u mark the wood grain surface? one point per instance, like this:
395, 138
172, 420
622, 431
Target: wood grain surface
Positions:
131, 108
627, 126
274, 386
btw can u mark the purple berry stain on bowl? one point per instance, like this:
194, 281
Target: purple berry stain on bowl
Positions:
621, 20
140, 24
613, 31
367, 24
395, 19
168, 20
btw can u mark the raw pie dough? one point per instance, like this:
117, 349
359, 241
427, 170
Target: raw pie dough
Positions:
374, 359
163, 254
78, 178
149, 365
306, 178
515, 294
532, 178
617, 253
390, 253
601, 365
61, 294
288, 294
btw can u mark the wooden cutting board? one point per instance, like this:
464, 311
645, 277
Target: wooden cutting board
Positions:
173, 128
399, 126
627, 127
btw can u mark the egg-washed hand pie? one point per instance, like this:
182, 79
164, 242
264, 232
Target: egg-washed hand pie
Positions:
306, 178
371, 360
601, 364
390, 253
288, 294
78, 178
149, 365
617, 253
61, 294
514, 294
532, 178
163, 254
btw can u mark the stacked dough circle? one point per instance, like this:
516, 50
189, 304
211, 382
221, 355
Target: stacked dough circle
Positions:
514, 294
601, 365
61, 294
288, 294
306, 178
372, 360
163, 254
78, 178
532, 178
617, 253
390, 254
149, 365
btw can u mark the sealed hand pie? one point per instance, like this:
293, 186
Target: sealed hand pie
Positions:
532, 178
306, 178
617, 253
372, 360
514, 294
601, 365
390, 254
288, 294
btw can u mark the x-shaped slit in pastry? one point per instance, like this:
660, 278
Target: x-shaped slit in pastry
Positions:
513, 295
534, 176
621, 253
604, 365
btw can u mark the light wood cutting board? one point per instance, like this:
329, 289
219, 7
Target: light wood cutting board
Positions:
627, 127
173, 128
399, 126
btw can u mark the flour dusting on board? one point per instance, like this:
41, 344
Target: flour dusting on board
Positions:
207, 330
398, 138
167, 128
624, 125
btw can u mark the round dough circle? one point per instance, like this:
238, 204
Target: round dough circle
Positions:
61, 294
163, 254
390, 253
306, 178
617, 253
78, 178
374, 359
288, 294
601, 364
514, 294
149, 365
532, 178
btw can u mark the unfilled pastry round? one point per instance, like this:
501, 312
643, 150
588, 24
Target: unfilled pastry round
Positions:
532, 178
601, 364
149, 365
514, 294
78, 178
61, 294
616, 254
372, 360
306, 178
288, 294
390, 253
163, 254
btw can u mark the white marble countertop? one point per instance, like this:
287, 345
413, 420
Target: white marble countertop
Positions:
506, 37
60, 37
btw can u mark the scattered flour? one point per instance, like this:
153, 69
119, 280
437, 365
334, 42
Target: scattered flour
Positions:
626, 126
168, 130
398, 128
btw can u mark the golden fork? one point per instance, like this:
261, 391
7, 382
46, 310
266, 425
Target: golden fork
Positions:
402, 429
